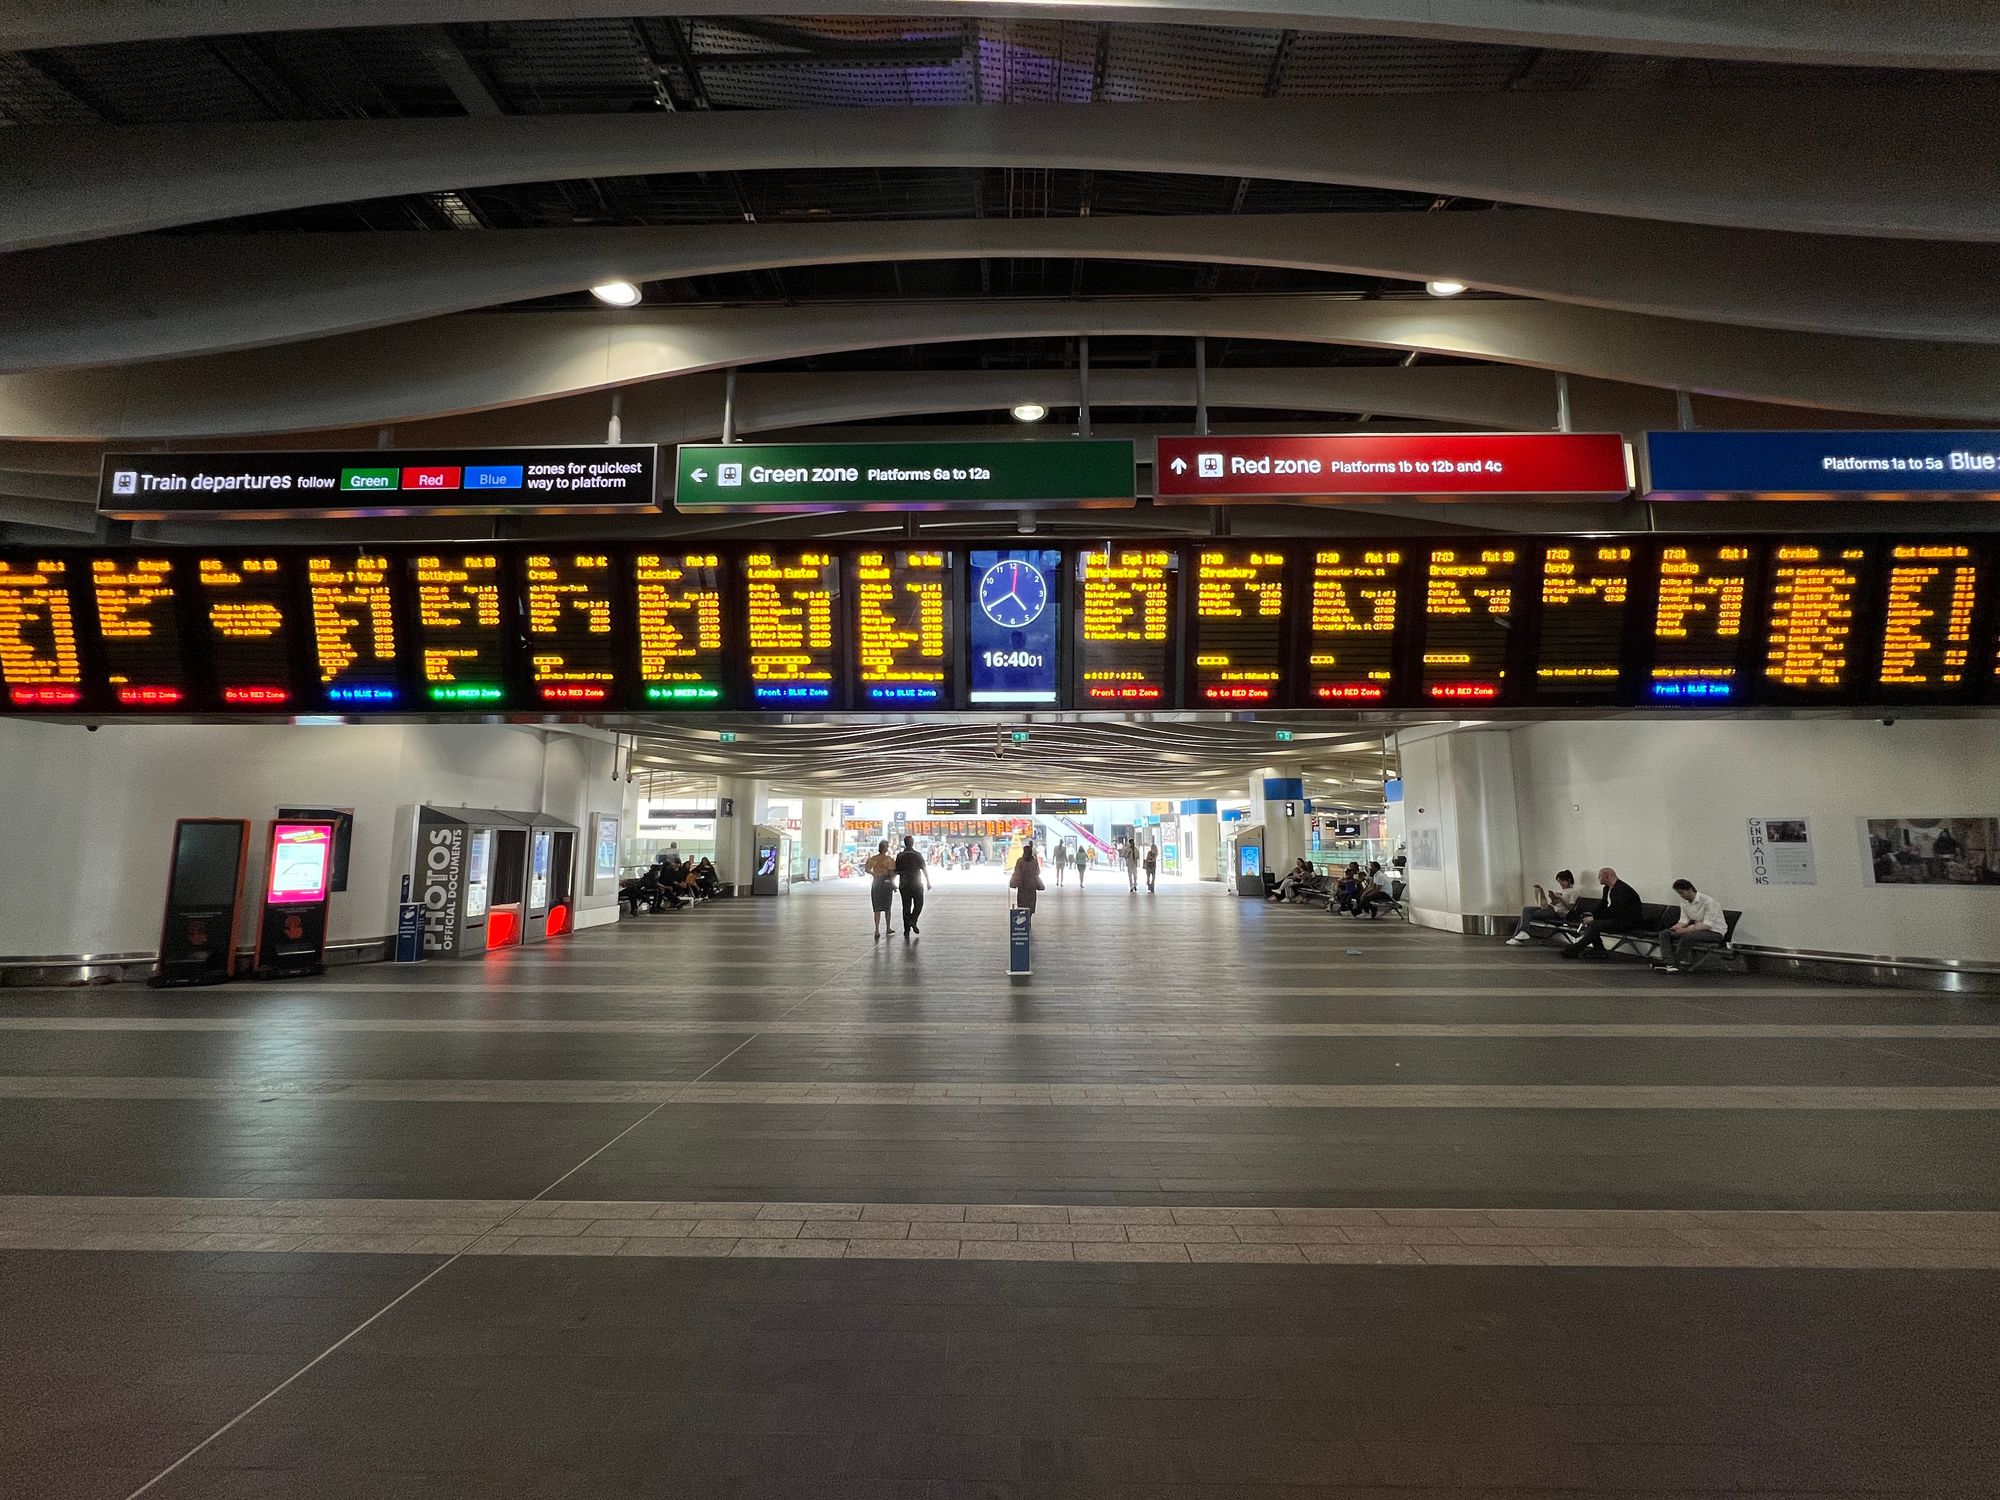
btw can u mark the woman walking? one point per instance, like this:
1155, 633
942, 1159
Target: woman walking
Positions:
1026, 879
881, 870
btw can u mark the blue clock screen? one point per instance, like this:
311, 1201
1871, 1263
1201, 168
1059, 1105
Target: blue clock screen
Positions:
1014, 616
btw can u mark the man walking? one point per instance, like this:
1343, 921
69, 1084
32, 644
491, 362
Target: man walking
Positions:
1131, 856
1062, 861
1152, 867
914, 878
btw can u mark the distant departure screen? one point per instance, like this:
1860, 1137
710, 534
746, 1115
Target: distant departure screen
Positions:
1468, 621
568, 602
355, 647
1929, 607
1699, 620
1586, 597
461, 625
680, 627
1239, 625
902, 628
139, 629
792, 605
1126, 603
1351, 655
1809, 617
39, 658
244, 600
1014, 624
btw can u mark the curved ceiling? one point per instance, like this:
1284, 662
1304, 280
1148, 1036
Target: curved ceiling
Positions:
165, 296
1895, 161
1871, 33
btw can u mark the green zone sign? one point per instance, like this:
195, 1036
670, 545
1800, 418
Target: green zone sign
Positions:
903, 476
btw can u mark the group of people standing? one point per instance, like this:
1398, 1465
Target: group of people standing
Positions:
1129, 854
907, 874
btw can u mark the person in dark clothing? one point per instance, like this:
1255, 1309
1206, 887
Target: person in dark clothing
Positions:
914, 878
1026, 880
1152, 863
1622, 911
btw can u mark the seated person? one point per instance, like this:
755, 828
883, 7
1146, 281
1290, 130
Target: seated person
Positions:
1347, 890
1556, 906
706, 881
1702, 925
1296, 877
642, 889
1375, 892
1622, 911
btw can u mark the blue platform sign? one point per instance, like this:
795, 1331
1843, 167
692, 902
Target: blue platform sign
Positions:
1730, 465
1020, 922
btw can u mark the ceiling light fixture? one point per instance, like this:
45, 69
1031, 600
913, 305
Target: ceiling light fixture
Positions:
1030, 411
1444, 288
616, 293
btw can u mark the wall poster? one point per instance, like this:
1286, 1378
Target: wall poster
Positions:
1781, 852
604, 861
1931, 851
1425, 850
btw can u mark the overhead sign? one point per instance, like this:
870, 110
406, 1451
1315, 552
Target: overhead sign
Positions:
951, 807
1365, 466
1812, 465
902, 476
379, 482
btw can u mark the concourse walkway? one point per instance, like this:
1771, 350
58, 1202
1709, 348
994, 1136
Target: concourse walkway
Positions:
1226, 1200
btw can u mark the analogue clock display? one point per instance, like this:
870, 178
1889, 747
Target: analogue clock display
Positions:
1013, 593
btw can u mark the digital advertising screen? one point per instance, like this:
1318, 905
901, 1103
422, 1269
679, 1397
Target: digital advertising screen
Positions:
461, 626
681, 658
1239, 625
40, 662
1586, 599
301, 863
1127, 600
1351, 654
902, 628
1930, 605
1700, 615
1468, 621
139, 630
1809, 617
567, 605
243, 598
791, 602
1014, 624
355, 648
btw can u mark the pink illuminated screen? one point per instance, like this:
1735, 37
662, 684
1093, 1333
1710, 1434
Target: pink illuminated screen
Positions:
301, 862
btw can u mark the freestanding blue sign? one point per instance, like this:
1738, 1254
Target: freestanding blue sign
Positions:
1724, 465
1020, 922
409, 932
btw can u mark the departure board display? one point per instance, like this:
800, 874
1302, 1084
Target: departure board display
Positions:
1700, 620
1809, 616
1014, 624
1468, 621
461, 626
680, 627
567, 606
902, 628
1930, 605
1126, 603
792, 608
139, 630
1586, 597
1351, 656
355, 647
245, 602
40, 661
1239, 625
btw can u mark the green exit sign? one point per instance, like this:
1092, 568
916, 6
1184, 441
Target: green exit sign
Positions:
903, 476
727, 736
1019, 736
1284, 735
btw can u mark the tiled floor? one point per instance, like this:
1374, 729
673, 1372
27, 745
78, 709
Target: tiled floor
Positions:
1226, 1200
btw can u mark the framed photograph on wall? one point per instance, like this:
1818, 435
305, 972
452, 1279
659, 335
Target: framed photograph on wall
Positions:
1931, 851
603, 853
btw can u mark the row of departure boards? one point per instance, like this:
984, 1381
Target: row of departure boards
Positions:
1490, 621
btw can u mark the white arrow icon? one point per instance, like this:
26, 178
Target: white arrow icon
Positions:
1179, 466
699, 476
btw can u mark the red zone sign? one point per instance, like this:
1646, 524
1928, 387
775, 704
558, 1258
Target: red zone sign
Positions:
1365, 466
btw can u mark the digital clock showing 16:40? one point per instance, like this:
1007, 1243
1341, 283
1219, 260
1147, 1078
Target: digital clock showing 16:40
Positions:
1015, 624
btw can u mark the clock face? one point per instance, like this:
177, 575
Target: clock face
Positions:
1013, 593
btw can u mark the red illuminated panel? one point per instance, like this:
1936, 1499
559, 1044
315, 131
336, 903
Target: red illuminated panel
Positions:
572, 647
1125, 623
1354, 612
243, 598
1468, 614
1239, 624
39, 661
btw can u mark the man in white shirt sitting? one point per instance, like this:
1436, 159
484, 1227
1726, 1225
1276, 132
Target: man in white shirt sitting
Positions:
1702, 925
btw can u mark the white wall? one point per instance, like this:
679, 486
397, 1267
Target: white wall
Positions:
86, 819
1656, 801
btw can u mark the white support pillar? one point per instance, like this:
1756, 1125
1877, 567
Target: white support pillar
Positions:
1273, 789
1462, 826
817, 831
740, 804
1201, 839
